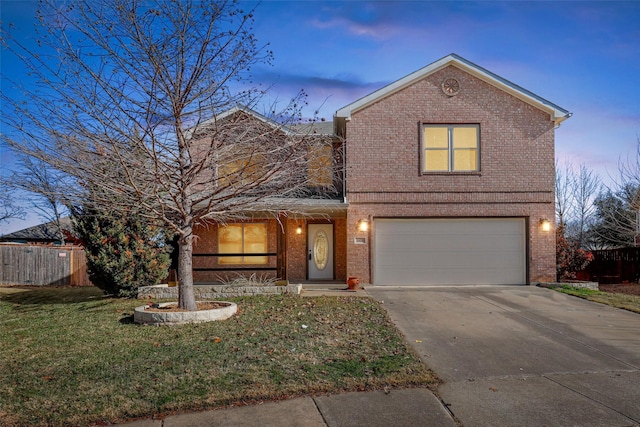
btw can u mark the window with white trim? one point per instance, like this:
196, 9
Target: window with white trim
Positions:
450, 148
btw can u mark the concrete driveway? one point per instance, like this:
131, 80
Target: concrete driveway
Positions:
523, 355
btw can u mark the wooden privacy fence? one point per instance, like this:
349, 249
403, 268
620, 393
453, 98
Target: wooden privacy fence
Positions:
35, 265
613, 266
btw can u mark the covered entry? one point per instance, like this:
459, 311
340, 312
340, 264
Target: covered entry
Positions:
446, 251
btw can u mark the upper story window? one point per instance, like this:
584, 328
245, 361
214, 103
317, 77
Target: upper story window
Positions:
240, 168
320, 165
450, 148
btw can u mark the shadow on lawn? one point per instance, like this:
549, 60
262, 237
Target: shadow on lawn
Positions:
39, 296
127, 319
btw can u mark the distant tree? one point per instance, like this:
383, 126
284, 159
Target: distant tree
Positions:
586, 188
123, 253
8, 207
565, 198
576, 191
617, 208
616, 214
43, 187
131, 99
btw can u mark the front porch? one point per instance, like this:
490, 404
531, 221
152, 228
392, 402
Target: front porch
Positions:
304, 249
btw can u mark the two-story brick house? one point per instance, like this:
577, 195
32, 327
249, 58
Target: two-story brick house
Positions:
449, 179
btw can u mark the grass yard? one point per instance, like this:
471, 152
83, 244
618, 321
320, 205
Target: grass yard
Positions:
628, 299
70, 356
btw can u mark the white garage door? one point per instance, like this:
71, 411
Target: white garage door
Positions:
469, 251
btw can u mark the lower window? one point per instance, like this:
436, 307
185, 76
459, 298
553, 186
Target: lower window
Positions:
241, 240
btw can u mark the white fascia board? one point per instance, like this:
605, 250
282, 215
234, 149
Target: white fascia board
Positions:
557, 113
345, 112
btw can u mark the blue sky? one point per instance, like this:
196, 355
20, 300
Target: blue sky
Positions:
583, 56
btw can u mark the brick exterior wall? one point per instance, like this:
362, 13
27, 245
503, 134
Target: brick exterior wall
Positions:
296, 251
516, 177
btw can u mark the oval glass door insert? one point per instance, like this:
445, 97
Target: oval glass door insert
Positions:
320, 250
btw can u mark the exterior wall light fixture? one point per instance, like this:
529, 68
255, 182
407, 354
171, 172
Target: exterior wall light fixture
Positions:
545, 224
363, 225
299, 230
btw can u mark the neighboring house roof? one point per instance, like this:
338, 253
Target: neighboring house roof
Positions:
313, 128
309, 128
240, 109
47, 232
558, 114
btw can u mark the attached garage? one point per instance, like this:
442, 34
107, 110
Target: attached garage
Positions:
445, 251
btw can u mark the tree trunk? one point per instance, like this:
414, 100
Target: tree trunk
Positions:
186, 296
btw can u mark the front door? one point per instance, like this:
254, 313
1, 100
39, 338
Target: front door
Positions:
320, 251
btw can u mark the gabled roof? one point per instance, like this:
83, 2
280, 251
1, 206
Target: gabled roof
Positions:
47, 232
557, 113
234, 110
302, 128
313, 128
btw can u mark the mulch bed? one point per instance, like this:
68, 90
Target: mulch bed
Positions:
623, 288
208, 305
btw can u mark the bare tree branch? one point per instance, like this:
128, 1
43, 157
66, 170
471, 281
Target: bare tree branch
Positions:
8, 207
618, 207
565, 198
576, 191
43, 187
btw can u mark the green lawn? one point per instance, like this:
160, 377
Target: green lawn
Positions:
73, 357
624, 301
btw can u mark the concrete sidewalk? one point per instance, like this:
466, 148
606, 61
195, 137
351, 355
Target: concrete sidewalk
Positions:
410, 407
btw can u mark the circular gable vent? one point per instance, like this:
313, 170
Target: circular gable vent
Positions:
450, 86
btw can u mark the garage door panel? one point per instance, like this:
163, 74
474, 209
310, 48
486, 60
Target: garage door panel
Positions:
448, 242
450, 251
442, 276
451, 259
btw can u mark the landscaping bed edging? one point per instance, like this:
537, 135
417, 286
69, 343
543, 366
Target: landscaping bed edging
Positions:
215, 292
574, 284
143, 315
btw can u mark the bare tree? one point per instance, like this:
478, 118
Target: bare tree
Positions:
587, 185
576, 191
630, 171
618, 206
8, 208
43, 187
136, 103
616, 224
565, 198
629, 168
